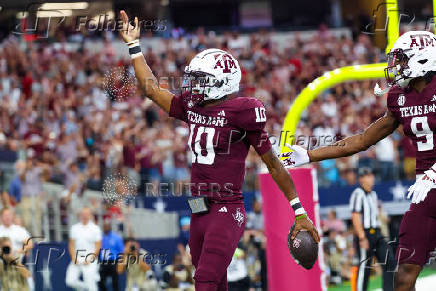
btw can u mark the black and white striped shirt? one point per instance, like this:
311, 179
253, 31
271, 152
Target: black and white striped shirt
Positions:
366, 204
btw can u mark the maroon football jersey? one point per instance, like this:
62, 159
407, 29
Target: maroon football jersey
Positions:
219, 138
417, 113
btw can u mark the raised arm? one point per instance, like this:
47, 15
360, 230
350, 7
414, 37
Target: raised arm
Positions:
377, 131
144, 75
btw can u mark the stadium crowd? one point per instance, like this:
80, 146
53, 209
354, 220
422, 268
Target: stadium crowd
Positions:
61, 123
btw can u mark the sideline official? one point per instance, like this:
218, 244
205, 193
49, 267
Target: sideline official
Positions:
368, 239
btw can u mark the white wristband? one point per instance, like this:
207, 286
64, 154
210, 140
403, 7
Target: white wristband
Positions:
294, 201
297, 207
133, 43
300, 211
136, 55
134, 49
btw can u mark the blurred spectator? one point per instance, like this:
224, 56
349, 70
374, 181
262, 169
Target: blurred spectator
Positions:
333, 223
13, 275
185, 223
178, 275
30, 207
409, 158
385, 154
73, 176
134, 262
16, 183
180, 173
334, 247
18, 235
253, 245
329, 174
255, 217
384, 221
111, 246
237, 274
129, 157
84, 247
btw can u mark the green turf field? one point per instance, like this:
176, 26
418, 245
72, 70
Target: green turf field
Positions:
375, 282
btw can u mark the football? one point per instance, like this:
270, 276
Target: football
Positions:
303, 248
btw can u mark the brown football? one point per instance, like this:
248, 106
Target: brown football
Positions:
304, 249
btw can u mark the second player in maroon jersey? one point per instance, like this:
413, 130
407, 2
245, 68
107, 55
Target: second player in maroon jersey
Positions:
416, 111
411, 74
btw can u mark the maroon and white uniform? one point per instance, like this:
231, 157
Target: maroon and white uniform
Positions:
220, 137
417, 113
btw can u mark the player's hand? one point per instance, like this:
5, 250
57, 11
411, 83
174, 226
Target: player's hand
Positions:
297, 157
129, 32
418, 191
305, 224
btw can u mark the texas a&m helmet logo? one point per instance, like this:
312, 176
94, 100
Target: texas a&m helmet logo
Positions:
225, 62
421, 41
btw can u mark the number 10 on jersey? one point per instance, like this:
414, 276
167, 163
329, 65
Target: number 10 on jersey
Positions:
196, 150
260, 114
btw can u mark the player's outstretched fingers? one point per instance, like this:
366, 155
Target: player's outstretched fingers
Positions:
125, 20
297, 229
315, 234
124, 17
137, 28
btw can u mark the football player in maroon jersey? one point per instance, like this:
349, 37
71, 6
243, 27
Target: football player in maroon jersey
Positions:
411, 102
222, 129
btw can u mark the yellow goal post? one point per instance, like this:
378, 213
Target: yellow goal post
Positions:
338, 76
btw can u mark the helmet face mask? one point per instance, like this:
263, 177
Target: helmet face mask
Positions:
196, 85
397, 67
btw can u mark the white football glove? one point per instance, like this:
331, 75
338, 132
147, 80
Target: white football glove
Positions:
418, 191
297, 157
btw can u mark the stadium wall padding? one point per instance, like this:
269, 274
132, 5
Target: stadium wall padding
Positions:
283, 272
49, 267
